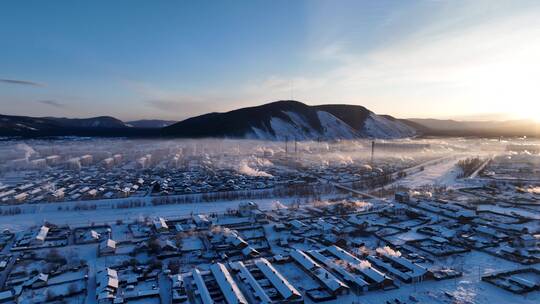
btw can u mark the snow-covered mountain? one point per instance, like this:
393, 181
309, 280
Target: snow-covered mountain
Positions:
93, 122
290, 119
26, 126
280, 120
383, 126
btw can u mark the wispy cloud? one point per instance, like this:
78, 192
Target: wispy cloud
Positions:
183, 107
164, 105
22, 82
52, 103
178, 104
440, 60
445, 68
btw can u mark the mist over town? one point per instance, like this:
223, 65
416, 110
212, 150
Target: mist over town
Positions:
246, 152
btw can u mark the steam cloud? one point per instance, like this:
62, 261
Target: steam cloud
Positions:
244, 168
27, 150
364, 264
388, 251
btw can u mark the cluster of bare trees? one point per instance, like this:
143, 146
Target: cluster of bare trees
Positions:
373, 182
83, 206
468, 166
11, 211
130, 204
281, 191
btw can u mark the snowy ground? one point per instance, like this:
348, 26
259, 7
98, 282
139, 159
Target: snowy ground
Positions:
110, 215
442, 173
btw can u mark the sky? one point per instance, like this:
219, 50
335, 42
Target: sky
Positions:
134, 59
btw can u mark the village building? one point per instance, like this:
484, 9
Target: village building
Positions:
42, 234
287, 291
330, 282
107, 248
160, 225
107, 284
228, 286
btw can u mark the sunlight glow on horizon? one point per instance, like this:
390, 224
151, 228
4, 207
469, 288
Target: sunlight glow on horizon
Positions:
419, 59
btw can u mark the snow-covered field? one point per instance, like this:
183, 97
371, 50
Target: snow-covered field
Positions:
100, 216
442, 173
109, 215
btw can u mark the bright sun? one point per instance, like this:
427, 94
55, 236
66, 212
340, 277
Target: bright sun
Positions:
512, 92
526, 110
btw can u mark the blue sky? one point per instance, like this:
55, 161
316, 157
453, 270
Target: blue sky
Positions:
174, 59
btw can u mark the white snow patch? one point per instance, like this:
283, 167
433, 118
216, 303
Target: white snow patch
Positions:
334, 127
381, 127
441, 173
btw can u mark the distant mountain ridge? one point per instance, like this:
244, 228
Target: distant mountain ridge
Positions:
151, 123
25, 126
280, 120
289, 119
448, 127
94, 122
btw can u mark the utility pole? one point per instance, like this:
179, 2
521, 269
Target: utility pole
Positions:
372, 150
